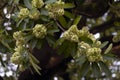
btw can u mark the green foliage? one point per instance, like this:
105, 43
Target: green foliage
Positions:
34, 22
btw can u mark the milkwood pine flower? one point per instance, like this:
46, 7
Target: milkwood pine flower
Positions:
24, 12
55, 9
94, 54
71, 34
18, 36
34, 14
97, 43
83, 32
16, 58
82, 48
37, 3
39, 31
19, 55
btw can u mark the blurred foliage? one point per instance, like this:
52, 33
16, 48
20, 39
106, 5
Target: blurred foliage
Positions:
28, 24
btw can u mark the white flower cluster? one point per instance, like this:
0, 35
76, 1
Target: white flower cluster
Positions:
92, 51
55, 9
39, 31
37, 3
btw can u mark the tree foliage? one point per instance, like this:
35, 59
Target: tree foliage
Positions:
50, 39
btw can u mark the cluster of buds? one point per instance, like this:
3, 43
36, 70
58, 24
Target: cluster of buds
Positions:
34, 14
17, 56
19, 37
92, 51
71, 34
37, 3
55, 9
94, 54
24, 12
82, 47
39, 31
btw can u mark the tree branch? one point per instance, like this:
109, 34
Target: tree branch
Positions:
104, 26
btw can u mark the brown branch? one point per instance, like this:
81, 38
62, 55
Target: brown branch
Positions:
104, 26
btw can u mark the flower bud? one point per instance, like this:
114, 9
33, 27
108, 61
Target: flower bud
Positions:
24, 12
94, 54
16, 58
37, 3
39, 31
55, 9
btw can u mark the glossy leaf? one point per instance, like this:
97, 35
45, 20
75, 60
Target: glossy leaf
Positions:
96, 69
69, 5
33, 43
27, 4
77, 20
69, 14
51, 41
81, 59
62, 21
85, 68
58, 42
50, 1
108, 49
109, 57
104, 44
104, 68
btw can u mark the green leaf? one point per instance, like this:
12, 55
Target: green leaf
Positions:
85, 68
39, 44
35, 66
51, 41
96, 70
77, 20
62, 21
81, 59
104, 44
52, 30
109, 57
58, 42
69, 5
69, 14
104, 68
33, 43
5, 44
87, 40
50, 1
27, 4
33, 58
28, 37
19, 22
108, 49
63, 49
